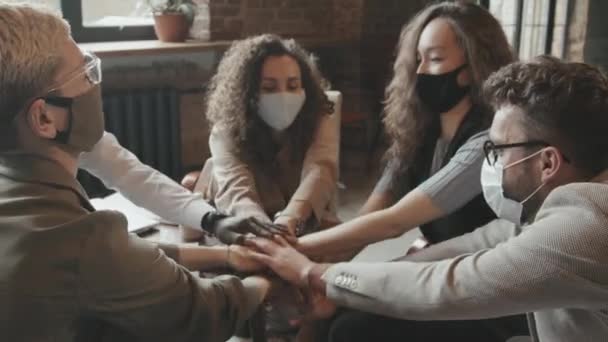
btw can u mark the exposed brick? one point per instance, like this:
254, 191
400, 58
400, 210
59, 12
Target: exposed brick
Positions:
266, 13
289, 14
254, 3
272, 3
234, 25
216, 24
226, 11
303, 3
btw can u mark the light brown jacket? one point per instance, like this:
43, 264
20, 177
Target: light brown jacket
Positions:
69, 273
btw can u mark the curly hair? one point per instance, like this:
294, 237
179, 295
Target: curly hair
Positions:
564, 104
233, 94
486, 49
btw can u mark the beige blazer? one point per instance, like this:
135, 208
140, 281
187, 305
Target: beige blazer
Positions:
69, 273
555, 268
238, 188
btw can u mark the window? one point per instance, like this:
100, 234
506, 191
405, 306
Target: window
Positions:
108, 20
533, 27
55, 4
115, 13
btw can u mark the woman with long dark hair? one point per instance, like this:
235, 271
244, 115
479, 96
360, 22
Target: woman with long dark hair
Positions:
437, 122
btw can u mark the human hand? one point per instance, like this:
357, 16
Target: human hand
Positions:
288, 222
233, 229
239, 258
291, 226
282, 258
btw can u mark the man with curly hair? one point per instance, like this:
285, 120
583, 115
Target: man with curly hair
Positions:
546, 167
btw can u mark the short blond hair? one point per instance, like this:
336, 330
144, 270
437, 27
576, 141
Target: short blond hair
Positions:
31, 43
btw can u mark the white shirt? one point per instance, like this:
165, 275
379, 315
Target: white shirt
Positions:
121, 170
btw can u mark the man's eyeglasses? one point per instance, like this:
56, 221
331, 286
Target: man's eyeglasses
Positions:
491, 150
91, 71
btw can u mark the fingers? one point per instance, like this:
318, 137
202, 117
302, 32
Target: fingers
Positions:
265, 229
263, 245
238, 239
260, 232
229, 237
281, 241
262, 258
291, 239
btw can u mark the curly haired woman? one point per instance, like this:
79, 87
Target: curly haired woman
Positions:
274, 140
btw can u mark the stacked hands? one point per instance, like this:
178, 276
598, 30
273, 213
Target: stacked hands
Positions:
256, 247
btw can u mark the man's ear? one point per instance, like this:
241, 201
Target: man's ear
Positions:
551, 161
40, 121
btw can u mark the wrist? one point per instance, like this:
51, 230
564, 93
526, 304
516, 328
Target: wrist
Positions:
315, 277
305, 275
210, 219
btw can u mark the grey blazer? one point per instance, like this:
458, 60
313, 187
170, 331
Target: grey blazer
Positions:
68, 273
555, 268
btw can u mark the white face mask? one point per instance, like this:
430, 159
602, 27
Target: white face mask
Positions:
279, 110
493, 192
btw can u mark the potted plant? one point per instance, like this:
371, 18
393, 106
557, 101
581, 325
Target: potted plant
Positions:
172, 18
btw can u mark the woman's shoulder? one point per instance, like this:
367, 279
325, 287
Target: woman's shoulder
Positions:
479, 137
221, 139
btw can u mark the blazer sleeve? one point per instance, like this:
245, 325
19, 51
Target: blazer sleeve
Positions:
121, 170
484, 237
558, 261
320, 169
131, 284
237, 193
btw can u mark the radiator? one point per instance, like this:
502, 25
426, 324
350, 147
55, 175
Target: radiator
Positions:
145, 121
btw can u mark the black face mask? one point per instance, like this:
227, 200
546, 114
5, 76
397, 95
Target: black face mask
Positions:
440, 93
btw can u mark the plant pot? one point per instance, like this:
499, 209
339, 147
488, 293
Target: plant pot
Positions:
171, 27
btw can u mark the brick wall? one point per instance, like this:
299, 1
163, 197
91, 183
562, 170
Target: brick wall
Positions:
335, 19
232, 19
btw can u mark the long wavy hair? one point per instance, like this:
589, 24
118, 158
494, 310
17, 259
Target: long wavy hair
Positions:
233, 94
486, 49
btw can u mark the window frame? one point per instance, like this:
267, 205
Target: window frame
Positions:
550, 34
72, 12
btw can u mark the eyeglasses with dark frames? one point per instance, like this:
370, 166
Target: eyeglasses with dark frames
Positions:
491, 150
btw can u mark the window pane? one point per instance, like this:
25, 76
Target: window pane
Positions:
559, 33
97, 13
506, 13
534, 28
54, 4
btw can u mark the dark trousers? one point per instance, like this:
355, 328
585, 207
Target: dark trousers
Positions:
354, 326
